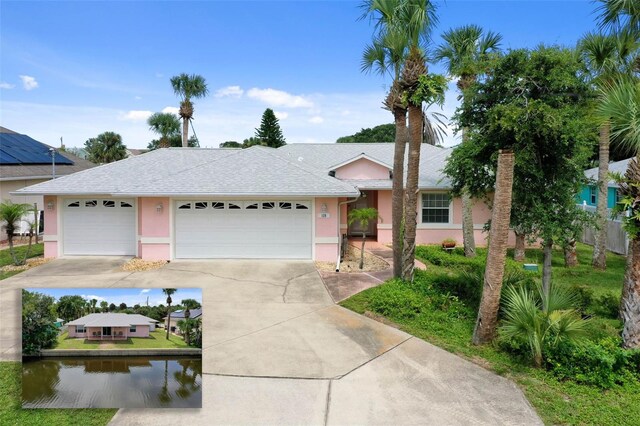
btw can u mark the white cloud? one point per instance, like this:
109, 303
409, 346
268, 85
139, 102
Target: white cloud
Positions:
137, 115
171, 110
137, 98
316, 119
93, 296
345, 113
4, 85
28, 82
145, 290
233, 91
281, 115
279, 98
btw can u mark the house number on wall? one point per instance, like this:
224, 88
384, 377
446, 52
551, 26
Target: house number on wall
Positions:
324, 215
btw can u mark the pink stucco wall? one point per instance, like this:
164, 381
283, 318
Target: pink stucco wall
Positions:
51, 227
384, 209
362, 169
326, 228
156, 224
141, 331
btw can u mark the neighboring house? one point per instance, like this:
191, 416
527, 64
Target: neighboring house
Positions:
291, 202
109, 326
131, 152
59, 323
178, 316
589, 194
24, 162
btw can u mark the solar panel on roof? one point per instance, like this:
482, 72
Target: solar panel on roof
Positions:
21, 149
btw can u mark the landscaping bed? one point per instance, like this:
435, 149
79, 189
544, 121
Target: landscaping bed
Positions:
594, 384
351, 262
8, 269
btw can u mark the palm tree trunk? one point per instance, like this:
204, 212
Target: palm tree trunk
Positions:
547, 253
630, 303
570, 254
518, 252
11, 249
411, 204
468, 237
185, 132
599, 260
168, 320
485, 329
364, 236
397, 193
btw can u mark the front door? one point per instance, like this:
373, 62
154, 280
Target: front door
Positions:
106, 331
369, 200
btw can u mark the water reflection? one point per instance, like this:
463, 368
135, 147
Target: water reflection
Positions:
112, 382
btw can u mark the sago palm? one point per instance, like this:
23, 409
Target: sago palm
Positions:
620, 104
465, 54
164, 124
188, 87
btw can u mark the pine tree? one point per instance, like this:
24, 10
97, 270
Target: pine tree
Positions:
269, 131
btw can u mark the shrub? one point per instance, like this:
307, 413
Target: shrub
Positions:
436, 256
396, 300
607, 305
603, 364
584, 297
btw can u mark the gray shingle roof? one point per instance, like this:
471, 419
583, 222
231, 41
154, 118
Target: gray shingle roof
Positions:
615, 167
195, 171
112, 320
195, 313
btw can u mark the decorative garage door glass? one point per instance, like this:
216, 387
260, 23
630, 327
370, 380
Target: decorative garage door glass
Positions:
279, 229
99, 226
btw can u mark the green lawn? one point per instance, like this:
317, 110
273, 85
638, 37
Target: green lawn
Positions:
449, 323
156, 339
5, 257
11, 413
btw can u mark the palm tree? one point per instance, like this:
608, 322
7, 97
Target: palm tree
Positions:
187, 87
363, 217
93, 302
620, 15
104, 306
11, 214
487, 321
607, 57
465, 53
620, 104
169, 292
166, 125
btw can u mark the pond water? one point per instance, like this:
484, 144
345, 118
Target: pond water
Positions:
112, 382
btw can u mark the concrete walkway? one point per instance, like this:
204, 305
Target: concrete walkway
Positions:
277, 350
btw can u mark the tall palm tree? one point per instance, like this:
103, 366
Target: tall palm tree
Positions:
169, 292
93, 302
107, 147
620, 15
607, 57
104, 306
11, 214
187, 87
465, 52
620, 104
486, 323
164, 124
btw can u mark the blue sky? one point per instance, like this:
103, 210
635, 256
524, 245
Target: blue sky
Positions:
76, 69
130, 296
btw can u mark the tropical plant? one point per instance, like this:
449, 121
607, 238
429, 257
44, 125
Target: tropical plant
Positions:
487, 320
93, 302
607, 57
11, 214
620, 15
38, 318
107, 147
166, 125
230, 144
104, 306
620, 103
169, 292
465, 53
188, 87
541, 321
70, 307
269, 131
363, 217
190, 304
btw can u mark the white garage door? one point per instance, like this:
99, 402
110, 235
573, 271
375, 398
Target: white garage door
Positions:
99, 227
243, 229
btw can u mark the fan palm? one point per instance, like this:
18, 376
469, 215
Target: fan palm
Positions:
620, 104
620, 15
187, 87
11, 214
166, 125
107, 147
169, 292
465, 53
607, 57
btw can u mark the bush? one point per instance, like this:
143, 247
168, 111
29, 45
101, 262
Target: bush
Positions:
603, 364
607, 305
436, 255
584, 297
395, 299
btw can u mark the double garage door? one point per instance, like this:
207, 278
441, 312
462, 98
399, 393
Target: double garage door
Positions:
279, 229
99, 226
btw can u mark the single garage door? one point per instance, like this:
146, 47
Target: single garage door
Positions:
243, 229
99, 226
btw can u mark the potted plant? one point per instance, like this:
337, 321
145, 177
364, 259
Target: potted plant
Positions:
448, 243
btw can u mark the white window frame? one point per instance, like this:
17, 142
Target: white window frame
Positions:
80, 327
592, 195
424, 224
132, 328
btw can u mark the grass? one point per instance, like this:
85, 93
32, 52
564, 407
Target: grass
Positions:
446, 321
11, 413
5, 257
155, 340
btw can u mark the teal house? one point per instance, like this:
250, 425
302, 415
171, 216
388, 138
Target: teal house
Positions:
589, 194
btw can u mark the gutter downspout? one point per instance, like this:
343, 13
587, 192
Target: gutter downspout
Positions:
340, 204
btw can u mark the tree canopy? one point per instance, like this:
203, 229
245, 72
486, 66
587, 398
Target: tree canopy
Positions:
381, 133
38, 318
269, 132
107, 147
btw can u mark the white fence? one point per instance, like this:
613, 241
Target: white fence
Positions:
617, 238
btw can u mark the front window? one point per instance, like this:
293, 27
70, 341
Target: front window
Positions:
592, 194
79, 328
435, 207
132, 329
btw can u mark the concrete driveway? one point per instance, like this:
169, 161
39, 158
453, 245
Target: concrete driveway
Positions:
277, 350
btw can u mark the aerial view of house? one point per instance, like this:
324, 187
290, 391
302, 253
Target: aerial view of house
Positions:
111, 326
